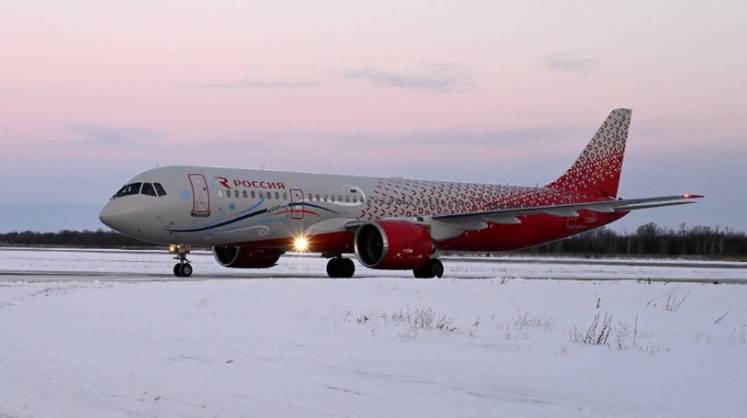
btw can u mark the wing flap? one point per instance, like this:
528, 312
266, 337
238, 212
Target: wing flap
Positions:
503, 220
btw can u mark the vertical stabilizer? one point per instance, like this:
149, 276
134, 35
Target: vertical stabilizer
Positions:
597, 170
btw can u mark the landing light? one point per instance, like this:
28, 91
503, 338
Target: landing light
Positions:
173, 248
301, 244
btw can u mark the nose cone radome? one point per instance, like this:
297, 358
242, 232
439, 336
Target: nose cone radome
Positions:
136, 219
112, 217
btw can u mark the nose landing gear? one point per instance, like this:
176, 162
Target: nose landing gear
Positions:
182, 268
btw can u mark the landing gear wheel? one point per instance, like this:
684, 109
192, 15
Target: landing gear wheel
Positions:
333, 267
182, 268
186, 270
433, 268
437, 268
420, 273
347, 267
339, 267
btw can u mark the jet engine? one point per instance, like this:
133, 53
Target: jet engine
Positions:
245, 258
393, 245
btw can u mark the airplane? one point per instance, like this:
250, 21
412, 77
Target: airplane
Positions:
252, 217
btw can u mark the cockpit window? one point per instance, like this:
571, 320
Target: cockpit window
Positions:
148, 189
130, 189
161, 191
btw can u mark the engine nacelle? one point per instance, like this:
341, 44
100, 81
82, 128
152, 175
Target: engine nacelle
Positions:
245, 258
393, 245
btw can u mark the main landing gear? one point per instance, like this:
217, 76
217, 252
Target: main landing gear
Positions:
339, 267
433, 268
182, 268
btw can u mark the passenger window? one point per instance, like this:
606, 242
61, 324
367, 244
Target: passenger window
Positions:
317, 197
285, 195
339, 198
310, 197
254, 194
161, 191
236, 194
246, 194
332, 198
148, 190
277, 195
269, 195
347, 198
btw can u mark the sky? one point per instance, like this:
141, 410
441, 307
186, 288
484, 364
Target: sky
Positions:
92, 93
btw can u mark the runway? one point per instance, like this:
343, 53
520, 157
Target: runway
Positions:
80, 265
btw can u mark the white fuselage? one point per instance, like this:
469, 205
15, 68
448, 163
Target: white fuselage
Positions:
212, 206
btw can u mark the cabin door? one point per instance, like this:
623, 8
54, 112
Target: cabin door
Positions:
200, 195
296, 203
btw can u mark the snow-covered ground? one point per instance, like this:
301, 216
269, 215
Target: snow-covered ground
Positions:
115, 336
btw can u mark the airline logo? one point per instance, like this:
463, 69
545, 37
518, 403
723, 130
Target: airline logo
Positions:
250, 184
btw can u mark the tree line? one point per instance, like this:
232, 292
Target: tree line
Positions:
647, 240
652, 240
67, 238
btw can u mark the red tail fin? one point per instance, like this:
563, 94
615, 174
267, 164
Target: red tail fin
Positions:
597, 170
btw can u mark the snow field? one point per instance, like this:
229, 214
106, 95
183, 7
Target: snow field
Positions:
371, 347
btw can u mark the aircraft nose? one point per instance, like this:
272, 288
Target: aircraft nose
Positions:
111, 216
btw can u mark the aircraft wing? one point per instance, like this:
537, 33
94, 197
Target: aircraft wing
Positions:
452, 225
510, 215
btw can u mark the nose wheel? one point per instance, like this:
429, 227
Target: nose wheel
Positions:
182, 268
